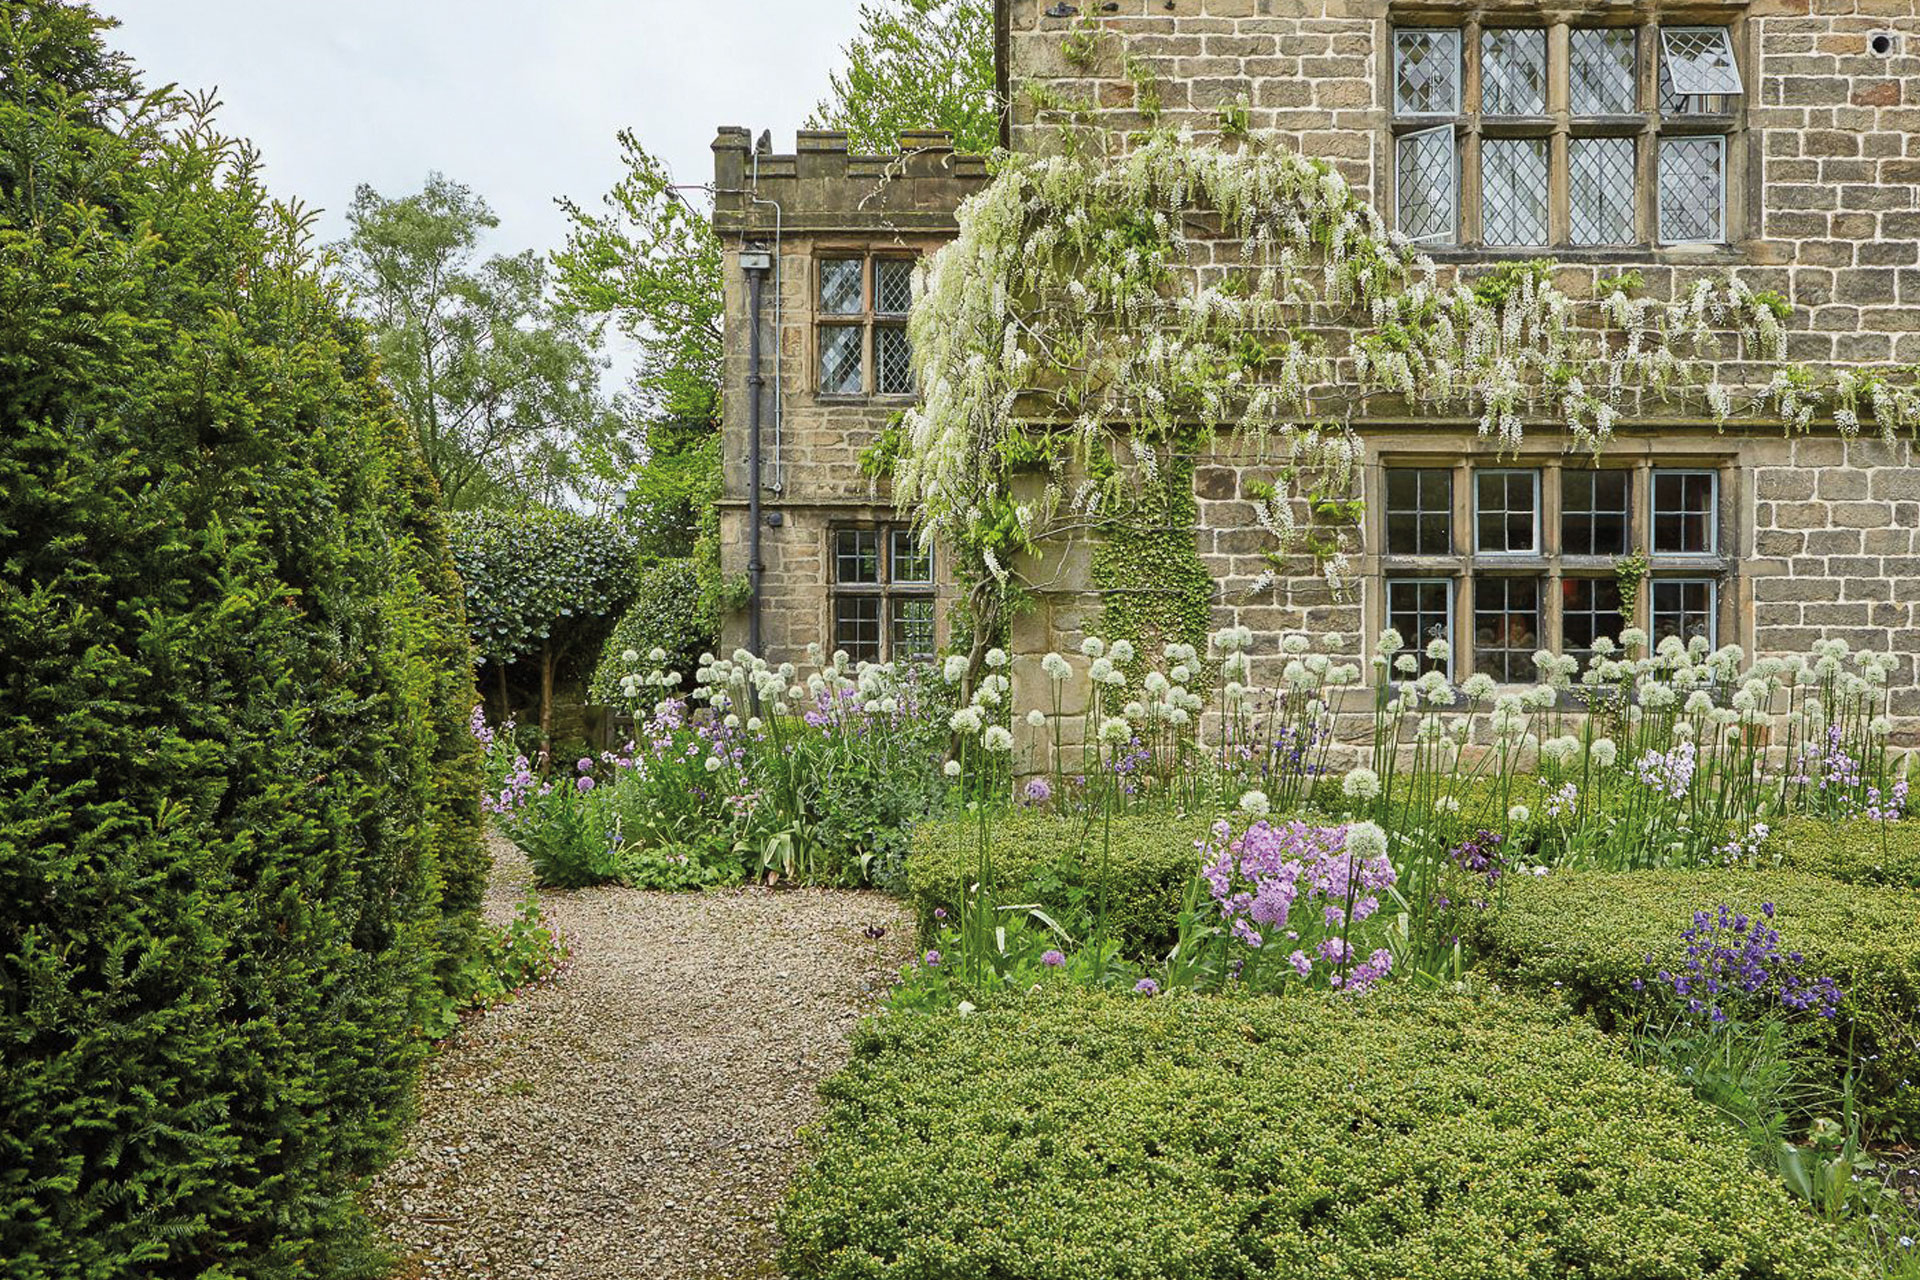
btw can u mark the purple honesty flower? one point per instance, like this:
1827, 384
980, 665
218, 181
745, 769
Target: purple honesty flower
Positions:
1052, 959
933, 959
1147, 987
1038, 791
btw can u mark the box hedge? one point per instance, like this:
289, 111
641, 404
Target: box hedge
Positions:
1861, 852
1075, 1136
239, 823
1055, 862
1589, 934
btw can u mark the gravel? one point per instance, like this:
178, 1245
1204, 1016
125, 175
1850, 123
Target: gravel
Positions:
638, 1116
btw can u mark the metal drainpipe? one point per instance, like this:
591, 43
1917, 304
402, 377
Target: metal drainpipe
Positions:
756, 262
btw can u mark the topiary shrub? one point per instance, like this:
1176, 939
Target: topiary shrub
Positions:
1082, 1136
667, 613
1590, 933
239, 840
1054, 862
1882, 853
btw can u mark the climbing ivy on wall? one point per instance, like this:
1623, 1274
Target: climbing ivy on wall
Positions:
1147, 568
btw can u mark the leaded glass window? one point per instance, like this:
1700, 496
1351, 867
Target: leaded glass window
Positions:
1513, 71
1693, 191
862, 335
893, 360
840, 351
884, 601
1602, 71
1595, 512
892, 286
1426, 72
842, 291
1513, 190
1699, 60
1426, 184
1600, 174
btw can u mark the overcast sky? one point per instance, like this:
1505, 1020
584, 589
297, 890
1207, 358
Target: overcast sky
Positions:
518, 99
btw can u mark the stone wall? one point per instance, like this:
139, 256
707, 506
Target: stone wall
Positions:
818, 200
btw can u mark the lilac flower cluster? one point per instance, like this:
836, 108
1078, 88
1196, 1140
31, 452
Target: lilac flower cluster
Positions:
1480, 855
1887, 806
1828, 764
1732, 959
1259, 879
1669, 773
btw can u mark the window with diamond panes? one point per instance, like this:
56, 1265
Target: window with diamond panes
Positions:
1421, 610
863, 346
1419, 511
1506, 512
1685, 513
1595, 512
883, 595
1497, 168
1506, 627
1682, 607
1589, 609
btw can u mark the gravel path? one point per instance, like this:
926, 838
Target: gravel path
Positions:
638, 1117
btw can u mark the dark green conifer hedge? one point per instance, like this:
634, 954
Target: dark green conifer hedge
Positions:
239, 840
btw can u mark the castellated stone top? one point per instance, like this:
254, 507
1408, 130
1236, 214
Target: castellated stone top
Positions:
821, 186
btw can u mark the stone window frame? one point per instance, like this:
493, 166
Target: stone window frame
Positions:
1463, 567
889, 590
1725, 118
870, 320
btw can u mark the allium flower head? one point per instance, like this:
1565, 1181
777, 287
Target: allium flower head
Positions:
1360, 784
1052, 959
951, 768
1256, 804
1037, 718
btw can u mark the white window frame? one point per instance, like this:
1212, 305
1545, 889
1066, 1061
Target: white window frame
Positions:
1659, 204
1653, 514
1681, 73
1713, 606
1418, 644
1536, 551
1451, 234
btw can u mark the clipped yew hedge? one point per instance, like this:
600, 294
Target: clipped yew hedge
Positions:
239, 838
1858, 852
1075, 1136
1588, 934
1055, 862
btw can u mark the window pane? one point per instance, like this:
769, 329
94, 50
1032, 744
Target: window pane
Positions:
1601, 73
1593, 512
856, 627
913, 630
1424, 181
1513, 71
1506, 627
1589, 608
1504, 502
1699, 60
840, 292
1420, 511
1692, 189
1426, 72
1683, 513
856, 557
840, 360
1513, 190
1675, 103
1683, 609
892, 286
1421, 609
1600, 190
893, 358
910, 563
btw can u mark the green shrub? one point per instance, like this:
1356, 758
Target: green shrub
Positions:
1077, 1136
1055, 862
1882, 853
1590, 933
666, 613
239, 838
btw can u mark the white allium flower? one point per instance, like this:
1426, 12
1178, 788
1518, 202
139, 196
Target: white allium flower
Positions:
1699, 702
631, 656
1360, 784
1880, 726
998, 738
951, 768
1093, 647
1121, 652
1447, 804
1255, 804
1366, 840
996, 658
1479, 686
1518, 815
1294, 642
965, 720
1037, 718
1180, 674
713, 764
955, 668
1439, 650
1390, 642
1135, 711
732, 721
1406, 664
1056, 667
1115, 731
1334, 641
1603, 753
1101, 670
753, 724
1633, 638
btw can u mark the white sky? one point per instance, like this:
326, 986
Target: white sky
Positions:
518, 99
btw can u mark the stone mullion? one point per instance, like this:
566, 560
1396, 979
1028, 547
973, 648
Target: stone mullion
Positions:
1560, 108
1468, 193
1646, 157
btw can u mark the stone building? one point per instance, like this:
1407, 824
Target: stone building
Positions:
1778, 140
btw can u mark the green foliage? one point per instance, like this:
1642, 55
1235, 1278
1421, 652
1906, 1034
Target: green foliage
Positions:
916, 64
1440, 1138
525, 953
666, 613
1498, 285
1858, 852
538, 579
502, 386
239, 847
1590, 933
1154, 588
1054, 862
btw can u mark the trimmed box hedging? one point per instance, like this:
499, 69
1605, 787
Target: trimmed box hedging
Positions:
1589, 934
1079, 1136
240, 854
1860, 852
1055, 862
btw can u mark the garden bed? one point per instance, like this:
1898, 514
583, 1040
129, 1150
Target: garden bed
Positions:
1085, 1135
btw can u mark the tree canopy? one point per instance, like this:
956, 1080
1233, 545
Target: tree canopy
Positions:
917, 64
